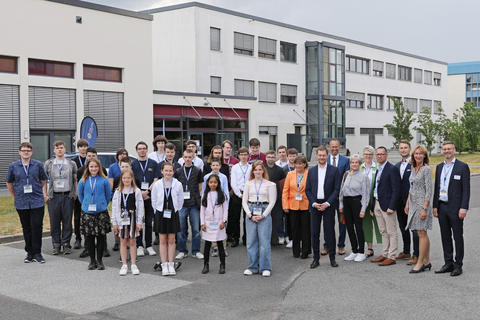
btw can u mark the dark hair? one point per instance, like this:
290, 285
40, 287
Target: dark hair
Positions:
221, 195
254, 142
170, 146
26, 145
91, 150
334, 139
189, 151
166, 163
282, 147
120, 151
189, 142
270, 152
405, 141
210, 157
242, 150
158, 139
216, 160
227, 141
382, 147
141, 142
301, 159
322, 148
82, 142
292, 151
126, 159
59, 143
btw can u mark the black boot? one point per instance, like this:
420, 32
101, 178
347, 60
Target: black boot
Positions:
222, 268
92, 265
205, 268
100, 265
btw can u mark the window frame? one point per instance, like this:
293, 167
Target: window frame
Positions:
282, 43
219, 39
284, 98
407, 73
15, 60
242, 50
364, 65
71, 65
267, 84
267, 55
378, 98
103, 68
219, 85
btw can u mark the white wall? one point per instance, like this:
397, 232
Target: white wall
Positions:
456, 93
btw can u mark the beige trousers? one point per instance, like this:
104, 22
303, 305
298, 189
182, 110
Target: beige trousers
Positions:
387, 224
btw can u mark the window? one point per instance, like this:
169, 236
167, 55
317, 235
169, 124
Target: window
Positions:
50, 68
438, 106
102, 73
354, 100
244, 88
267, 48
267, 92
404, 73
371, 130
378, 68
390, 71
427, 77
288, 94
333, 80
288, 52
410, 104
243, 44
359, 65
8, 64
349, 130
426, 103
375, 102
215, 39
436, 78
215, 85
391, 103
298, 130
417, 76
271, 132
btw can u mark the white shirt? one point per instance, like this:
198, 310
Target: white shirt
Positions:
368, 172
197, 162
321, 181
403, 166
281, 164
156, 157
337, 157
240, 174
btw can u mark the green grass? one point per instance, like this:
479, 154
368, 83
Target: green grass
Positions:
473, 160
9, 220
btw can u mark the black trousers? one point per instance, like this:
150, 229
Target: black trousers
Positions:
101, 240
449, 221
234, 216
300, 221
351, 210
329, 226
402, 218
77, 213
206, 251
32, 226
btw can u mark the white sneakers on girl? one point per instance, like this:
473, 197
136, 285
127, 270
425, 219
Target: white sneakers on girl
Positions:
351, 257
171, 269
124, 270
165, 271
135, 270
360, 257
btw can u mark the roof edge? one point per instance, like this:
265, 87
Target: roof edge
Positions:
201, 95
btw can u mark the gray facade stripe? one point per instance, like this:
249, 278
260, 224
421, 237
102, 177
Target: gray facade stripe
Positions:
280, 24
99, 7
201, 95
9, 128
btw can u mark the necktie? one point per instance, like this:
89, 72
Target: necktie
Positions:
334, 162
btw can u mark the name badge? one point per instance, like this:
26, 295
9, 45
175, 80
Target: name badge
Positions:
145, 185
456, 177
213, 225
125, 221
257, 211
60, 184
27, 188
375, 194
298, 197
92, 207
186, 195
167, 214
443, 193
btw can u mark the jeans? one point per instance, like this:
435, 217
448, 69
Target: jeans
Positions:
194, 215
258, 243
32, 225
149, 214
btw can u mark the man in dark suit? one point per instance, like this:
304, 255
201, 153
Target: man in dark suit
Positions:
405, 169
322, 189
343, 165
386, 194
450, 204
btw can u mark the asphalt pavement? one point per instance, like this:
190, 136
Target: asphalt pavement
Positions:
63, 288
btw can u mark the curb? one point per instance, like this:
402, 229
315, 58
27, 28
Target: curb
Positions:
19, 237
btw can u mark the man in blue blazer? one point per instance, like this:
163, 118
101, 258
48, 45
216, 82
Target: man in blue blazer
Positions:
386, 194
343, 164
405, 169
450, 204
322, 189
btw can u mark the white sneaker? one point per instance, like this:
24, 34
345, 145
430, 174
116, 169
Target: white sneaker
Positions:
281, 240
181, 255
198, 255
135, 270
171, 269
351, 257
165, 271
150, 251
287, 239
266, 273
290, 244
247, 272
215, 252
123, 270
226, 254
140, 252
360, 257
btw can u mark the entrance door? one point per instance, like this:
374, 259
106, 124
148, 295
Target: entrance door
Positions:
43, 143
206, 140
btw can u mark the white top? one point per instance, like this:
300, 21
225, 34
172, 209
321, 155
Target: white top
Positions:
403, 166
197, 162
238, 178
368, 172
158, 195
281, 164
155, 156
321, 181
117, 208
267, 192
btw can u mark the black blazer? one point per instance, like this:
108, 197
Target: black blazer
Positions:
389, 187
331, 187
404, 183
458, 187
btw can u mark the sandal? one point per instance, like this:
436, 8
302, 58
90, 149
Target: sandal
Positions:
368, 255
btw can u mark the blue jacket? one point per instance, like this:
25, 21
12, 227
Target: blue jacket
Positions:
405, 182
389, 187
458, 187
331, 186
101, 195
343, 164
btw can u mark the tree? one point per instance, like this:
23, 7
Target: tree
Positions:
442, 123
455, 132
402, 120
470, 120
428, 129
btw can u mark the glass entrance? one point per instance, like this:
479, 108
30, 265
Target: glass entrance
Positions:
206, 141
43, 143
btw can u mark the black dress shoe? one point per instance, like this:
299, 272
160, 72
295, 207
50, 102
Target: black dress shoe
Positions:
234, 243
100, 265
333, 263
205, 268
456, 272
304, 256
116, 247
445, 269
77, 244
222, 268
106, 253
177, 265
92, 265
314, 264
84, 253
296, 256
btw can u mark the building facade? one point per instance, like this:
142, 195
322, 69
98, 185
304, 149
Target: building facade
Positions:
463, 85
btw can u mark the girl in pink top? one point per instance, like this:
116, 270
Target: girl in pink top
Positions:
213, 216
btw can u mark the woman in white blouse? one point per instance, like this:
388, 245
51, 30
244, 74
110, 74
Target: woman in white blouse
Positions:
259, 196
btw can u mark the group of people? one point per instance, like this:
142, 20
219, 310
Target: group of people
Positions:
284, 202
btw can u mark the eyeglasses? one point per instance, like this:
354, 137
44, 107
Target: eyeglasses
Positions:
25, 150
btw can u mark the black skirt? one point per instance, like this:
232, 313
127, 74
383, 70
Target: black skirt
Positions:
167, 225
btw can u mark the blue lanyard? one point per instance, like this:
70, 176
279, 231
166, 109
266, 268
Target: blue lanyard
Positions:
26, 170
93, 186
369, 169
125, 199
379, 174
289, 168
60, 167
258, 190
80, 161
250, 157
213, 202
187, 177
158, 157
167, 190
299, 182
143, 170
244, 172
446, 173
